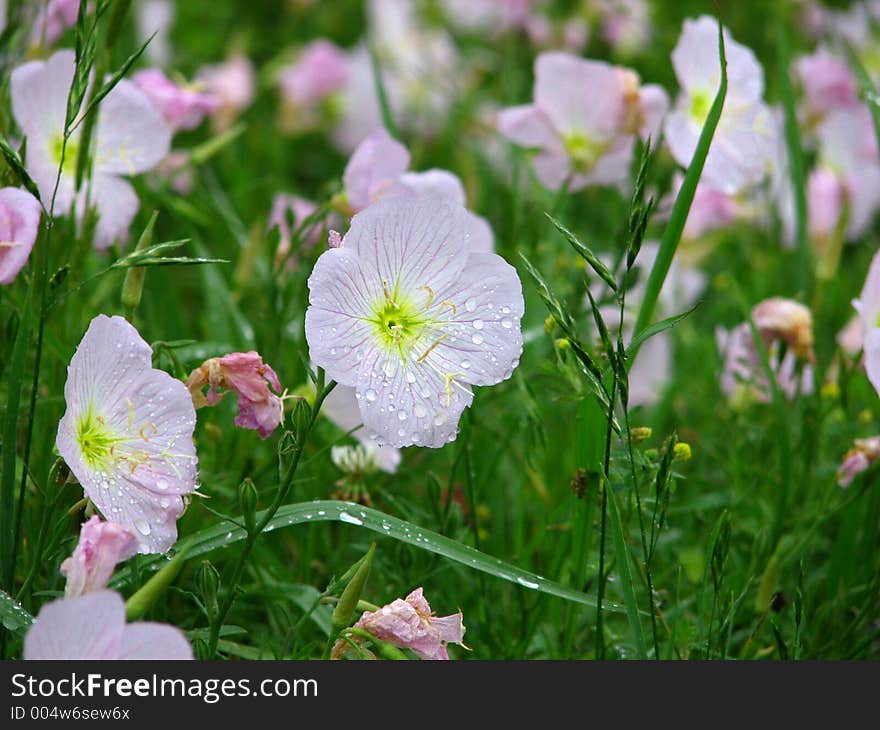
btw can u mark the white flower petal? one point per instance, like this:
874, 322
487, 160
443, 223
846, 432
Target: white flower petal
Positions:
88, 627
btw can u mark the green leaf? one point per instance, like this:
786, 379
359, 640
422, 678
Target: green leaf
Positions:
656, 329
223, 535
585, 253
12, 616
382, 94
682, 206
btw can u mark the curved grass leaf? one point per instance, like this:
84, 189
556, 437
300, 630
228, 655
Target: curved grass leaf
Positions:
675, 226
12, 616
226, 534
585, 253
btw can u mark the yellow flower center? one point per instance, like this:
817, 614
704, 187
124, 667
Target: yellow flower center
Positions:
95, 439
583, 151
701, 102
70, 153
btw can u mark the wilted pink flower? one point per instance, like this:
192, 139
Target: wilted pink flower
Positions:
54, 18
19, 226
581, 123
127, 433
320, 70
378, 169
341, 407
742, 144
857, 460
787, 320
743, 377
101, 545
827, 82
868, 307
410, 624
249, 377
182, 107
232, 82
407, 316
93, 627
130, 137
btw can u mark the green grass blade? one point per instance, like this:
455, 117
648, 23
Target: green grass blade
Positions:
795, 158
223, 535
585, 253
682, 206
17, 372
626, 575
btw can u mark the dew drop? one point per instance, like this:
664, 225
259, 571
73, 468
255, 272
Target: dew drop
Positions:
345, 517
465, 364
506, 323
477, 339
527, 583
371, 395
439, 419
470, 305
401, 415
478, 324
419, 410
142, 526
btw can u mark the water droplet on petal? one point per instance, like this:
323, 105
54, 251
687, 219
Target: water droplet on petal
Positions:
419, 410
371, 395
470, 305
478, 324
142, 526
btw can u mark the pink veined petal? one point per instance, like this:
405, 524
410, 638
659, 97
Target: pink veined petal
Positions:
131, 134
868, 303
481, 239
431, 182
482, 339
39, 92
116, 203
528, 126
88, 627
411, 244
409, 403
19, 226
342, 292
149, 640
579, 95
341, 407
449, 628
374, 168
872, 356
101, 546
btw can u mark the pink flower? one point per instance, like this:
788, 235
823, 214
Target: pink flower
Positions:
19, 226
154, 19
176, 169
54, 18
232, 82
249, 377
827, 82
93, 627
742, 144
581, 123
825, 200
101, 546
857, 460
182, 107
285, 207
320, 70
127, 433
410, 624
626, 24
130, 137
868, 307
492, 16
378, 169
710, 210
